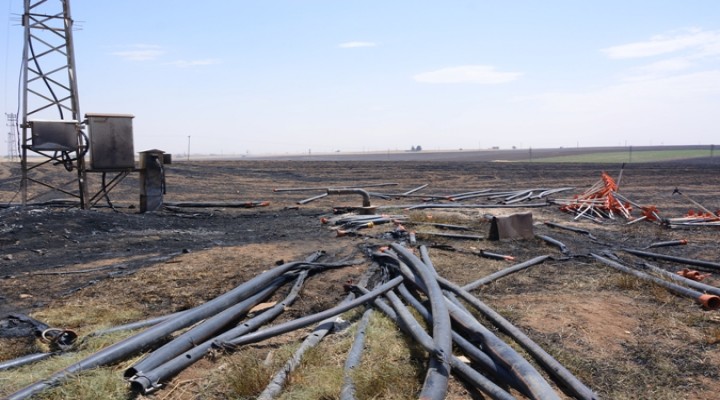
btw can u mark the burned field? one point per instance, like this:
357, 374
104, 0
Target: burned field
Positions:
621, 336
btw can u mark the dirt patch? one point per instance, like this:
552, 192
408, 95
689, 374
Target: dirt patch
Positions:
601, 321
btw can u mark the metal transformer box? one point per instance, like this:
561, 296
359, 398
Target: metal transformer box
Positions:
152, 179
54, 135
111, 141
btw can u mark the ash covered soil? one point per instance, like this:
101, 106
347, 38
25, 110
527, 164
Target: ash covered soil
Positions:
623, 337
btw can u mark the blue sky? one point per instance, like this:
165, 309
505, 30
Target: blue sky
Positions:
271, 76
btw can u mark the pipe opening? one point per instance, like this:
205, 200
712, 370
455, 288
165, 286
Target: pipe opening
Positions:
137, 387
709, 301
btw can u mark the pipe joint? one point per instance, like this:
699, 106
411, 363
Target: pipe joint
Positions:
367, 208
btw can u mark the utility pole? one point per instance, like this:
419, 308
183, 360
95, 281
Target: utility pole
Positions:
12, 153
188, 155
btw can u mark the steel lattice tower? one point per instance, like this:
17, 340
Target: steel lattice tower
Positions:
50, 90
11, 123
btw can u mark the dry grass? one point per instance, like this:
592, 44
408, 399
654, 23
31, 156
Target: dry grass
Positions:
391, 367
106, 383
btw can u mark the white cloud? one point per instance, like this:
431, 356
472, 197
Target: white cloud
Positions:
697, 40
352, 45
195, 63
661, 68
480, 74
140, 52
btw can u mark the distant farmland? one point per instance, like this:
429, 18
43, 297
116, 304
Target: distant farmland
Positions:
639, 154
629, 156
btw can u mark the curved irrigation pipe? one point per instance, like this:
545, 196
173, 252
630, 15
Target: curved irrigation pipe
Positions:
423, 338
550, 364
526, 374
441, 328
365, 195
438, 371
535, 385
471, 350
136, 343
347, 392
708, 301
433, 386
560, 245
698, 263
507, 271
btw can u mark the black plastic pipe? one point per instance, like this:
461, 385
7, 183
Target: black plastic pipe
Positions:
549, 364
309, 199
570, 228
309, 189
560, 245
347, 392
688, 282
204, 331
136, 325
708, 301
537, 387
451, 235
365, 195
426, 206
472, 351
225, 204
441, 328
526, 374
504, 272
150, 380
532, 382
438, 371
307, 320
698, 263
411, 191
276, 384
442, 226
418, 333
679, 242
273, 389
136, 343
423, 338
24, 360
